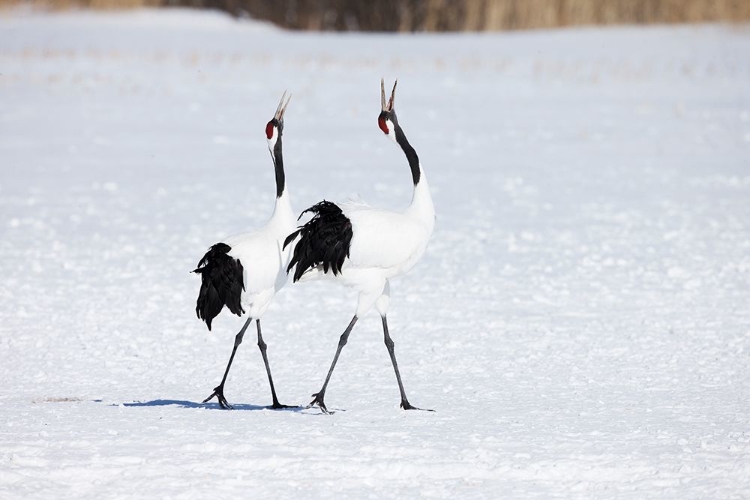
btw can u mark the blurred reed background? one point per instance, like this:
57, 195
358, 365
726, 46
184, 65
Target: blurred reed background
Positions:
443, 15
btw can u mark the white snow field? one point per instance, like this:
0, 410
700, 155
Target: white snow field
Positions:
580, 321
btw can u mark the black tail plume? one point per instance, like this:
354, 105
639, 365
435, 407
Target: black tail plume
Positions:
222, 283
324, 240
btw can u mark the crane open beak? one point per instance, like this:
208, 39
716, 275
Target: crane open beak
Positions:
282, 107
389, 106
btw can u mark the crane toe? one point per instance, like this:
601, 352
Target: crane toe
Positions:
407, 406
219, 395
320, 401
278, 406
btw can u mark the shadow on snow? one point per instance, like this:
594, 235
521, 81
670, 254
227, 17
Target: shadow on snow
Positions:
206, 406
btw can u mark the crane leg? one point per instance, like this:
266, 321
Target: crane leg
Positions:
263, 347
320, 395
219, 389
390, 345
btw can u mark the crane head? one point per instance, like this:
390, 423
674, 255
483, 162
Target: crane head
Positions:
275, 127
387, 118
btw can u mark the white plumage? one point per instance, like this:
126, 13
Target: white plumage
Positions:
267, 260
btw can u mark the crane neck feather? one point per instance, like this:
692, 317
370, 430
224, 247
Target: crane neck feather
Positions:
411, 154
278, 163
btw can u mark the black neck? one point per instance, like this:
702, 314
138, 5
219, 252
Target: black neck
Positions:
411, 155
278, 163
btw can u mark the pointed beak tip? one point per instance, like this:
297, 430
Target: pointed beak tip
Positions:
281, 107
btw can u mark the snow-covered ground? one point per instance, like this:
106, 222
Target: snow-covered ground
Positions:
580, 322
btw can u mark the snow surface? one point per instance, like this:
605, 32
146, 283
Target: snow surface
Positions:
580, 321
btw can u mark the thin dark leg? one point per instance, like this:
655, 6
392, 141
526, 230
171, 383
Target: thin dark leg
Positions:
219, 390
320, 395
263, 347
392, 352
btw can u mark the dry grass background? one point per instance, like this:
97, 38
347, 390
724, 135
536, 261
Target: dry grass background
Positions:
444, 15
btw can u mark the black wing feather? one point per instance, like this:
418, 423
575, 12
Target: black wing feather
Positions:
222, 283
325, 240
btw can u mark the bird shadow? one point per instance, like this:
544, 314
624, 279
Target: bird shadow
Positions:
206, 406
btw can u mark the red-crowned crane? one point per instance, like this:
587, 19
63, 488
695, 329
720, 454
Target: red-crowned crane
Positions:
245, 271
364, 247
